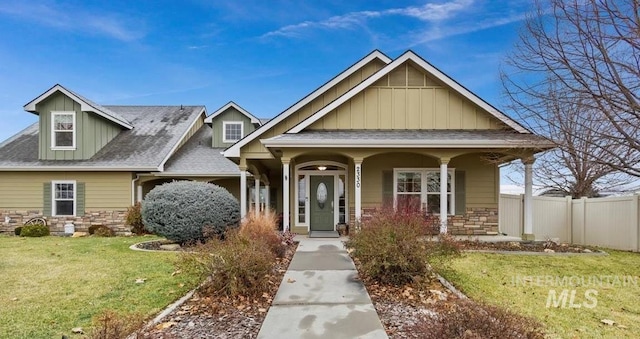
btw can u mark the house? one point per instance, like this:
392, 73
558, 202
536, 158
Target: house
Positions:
382, 131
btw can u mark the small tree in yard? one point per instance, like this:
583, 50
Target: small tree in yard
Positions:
186, 211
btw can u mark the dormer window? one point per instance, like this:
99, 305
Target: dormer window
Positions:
63, 130
231, 131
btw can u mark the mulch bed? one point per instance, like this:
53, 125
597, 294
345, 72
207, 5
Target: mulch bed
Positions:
207, 316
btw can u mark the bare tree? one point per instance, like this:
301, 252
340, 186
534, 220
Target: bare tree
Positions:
574, 76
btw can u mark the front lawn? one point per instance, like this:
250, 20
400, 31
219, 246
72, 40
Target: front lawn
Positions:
604, 287
52, 284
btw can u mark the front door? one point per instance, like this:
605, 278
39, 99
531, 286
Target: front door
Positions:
321, 195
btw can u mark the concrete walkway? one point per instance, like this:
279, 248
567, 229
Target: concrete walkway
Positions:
321, 297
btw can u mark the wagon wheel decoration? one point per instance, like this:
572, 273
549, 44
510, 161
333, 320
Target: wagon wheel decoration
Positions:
36, 221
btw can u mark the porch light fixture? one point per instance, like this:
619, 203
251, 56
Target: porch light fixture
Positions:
322, 168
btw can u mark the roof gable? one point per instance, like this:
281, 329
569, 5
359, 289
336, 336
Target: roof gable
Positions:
85, 105
234, 150
232, 104
423, 65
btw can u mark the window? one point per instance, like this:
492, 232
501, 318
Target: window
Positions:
420, 188
63, 130
64, 197
232, 131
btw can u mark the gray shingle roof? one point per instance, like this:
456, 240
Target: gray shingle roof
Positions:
156, 131
197, 157
417, 137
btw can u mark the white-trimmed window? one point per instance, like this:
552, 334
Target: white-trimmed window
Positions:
415, 187
232, 131
63, 130
63, 200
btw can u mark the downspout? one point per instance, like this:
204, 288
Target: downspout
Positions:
133, 189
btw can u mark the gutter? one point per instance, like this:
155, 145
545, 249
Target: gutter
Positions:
133, 189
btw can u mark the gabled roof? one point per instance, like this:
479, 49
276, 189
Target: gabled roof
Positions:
430, 69
157, 132
232, 104
86, 105
234, 150
198, 158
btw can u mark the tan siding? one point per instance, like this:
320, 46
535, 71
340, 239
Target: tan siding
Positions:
411, 100
307, 110
103, 190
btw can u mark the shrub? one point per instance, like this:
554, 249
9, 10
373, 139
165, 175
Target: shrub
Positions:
17, 230
134, 219
36, 230
92, 229
187, 211
111, 325
232, 267
466, 319
103, 231
262, 227
392, 250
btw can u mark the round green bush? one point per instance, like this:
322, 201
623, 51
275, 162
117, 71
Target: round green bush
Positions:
187, 211
37, 230
17, 230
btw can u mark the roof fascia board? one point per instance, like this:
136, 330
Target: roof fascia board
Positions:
409, 55
84, 106
184, 174
230, 104
234, 150
175, 147
78, 169
404, 143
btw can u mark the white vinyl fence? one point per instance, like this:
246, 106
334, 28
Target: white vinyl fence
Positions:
607, 222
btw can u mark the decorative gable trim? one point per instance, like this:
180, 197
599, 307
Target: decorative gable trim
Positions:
232, 104
234, 150
85, 105
430, 69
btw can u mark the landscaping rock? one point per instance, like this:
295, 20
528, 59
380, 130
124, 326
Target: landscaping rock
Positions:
586, 250
77, 330
548, 250
514, 244
79, 234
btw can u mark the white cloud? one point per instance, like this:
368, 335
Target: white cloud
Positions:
429, 12
75, 19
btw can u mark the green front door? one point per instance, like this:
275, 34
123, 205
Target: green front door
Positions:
322, 203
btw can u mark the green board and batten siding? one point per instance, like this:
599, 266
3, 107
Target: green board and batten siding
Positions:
231, 114
92, 131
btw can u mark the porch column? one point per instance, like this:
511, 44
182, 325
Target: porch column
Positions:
358, 187
139, 193
285, 194
528, 199
267, 199
256, 196
243, 192
444, 211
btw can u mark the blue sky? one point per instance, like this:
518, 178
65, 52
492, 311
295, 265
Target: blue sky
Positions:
264, 55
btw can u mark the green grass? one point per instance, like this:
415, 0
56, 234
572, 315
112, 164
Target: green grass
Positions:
50, 285
502, 280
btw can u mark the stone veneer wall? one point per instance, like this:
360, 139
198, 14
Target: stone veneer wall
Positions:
477, 221
111, 219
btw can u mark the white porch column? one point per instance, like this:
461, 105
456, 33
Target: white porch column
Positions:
528, 199
256, 197
358, 189
285, 194
444, 208
267, 199
243, 192
139, 193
